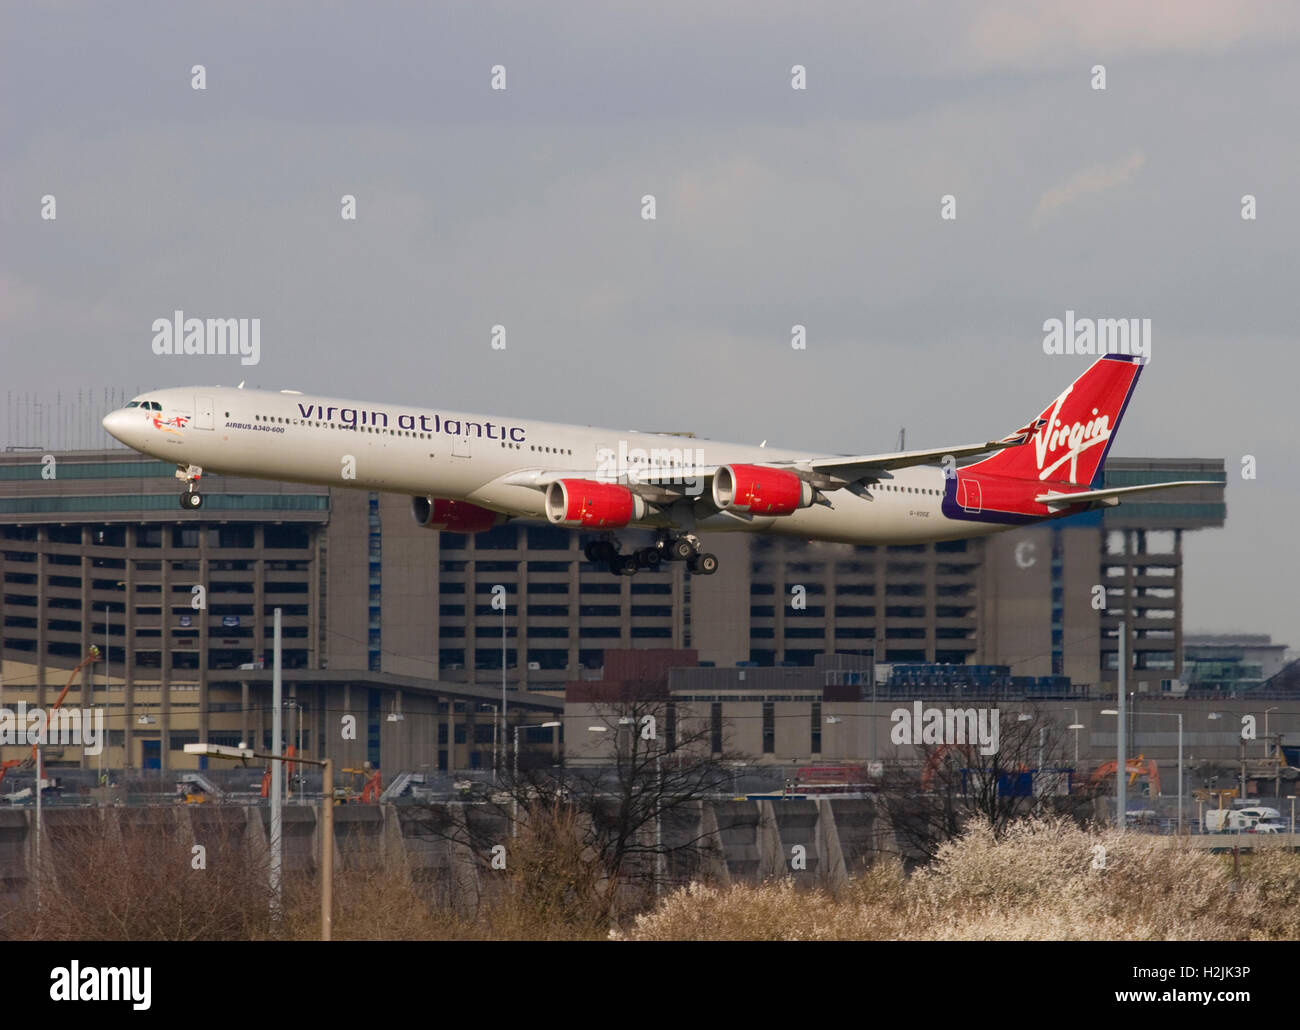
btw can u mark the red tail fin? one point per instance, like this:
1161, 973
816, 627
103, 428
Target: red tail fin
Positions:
1069, 441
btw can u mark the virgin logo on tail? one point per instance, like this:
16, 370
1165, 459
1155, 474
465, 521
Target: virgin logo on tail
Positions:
1077, 437
1069, 440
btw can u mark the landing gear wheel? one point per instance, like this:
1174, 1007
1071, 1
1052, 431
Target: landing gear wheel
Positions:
191, 500
681, 549
649, 558
623, 565
600, 551
706, 564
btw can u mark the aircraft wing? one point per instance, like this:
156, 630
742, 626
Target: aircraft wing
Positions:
836, 472
830, 473
1110, 497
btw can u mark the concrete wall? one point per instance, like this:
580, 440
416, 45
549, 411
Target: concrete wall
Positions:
742, 840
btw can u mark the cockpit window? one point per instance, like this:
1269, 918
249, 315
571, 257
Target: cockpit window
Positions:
133, 404
155, 406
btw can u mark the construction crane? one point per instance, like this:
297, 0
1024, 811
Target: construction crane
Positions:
92, 656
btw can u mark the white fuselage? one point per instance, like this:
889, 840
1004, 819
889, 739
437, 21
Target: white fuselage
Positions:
432, 452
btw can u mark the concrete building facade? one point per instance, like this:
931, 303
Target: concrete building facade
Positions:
383, 618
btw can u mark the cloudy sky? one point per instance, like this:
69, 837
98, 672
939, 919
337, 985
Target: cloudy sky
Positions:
775, 207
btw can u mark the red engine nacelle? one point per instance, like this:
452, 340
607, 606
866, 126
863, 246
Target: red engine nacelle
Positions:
587, 504
453, 516
756, 490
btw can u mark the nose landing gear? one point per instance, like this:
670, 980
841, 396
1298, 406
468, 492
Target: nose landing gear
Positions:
191, 499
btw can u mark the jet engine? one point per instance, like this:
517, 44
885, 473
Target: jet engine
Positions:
453, 516
757, 490
587, 504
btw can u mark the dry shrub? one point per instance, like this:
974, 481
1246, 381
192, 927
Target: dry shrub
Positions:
1275, 874
553, 889
1037, 882
141, 885
550, 890
774, 911
373, 904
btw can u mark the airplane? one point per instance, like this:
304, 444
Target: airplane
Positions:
468, 473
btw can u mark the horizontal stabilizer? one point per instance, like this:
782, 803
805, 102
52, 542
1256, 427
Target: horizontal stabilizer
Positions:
1111, 496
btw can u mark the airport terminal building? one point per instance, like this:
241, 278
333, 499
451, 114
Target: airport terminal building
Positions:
394, 624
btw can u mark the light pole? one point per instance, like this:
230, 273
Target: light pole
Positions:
495, 712
1076, 726
38, 827
326, 823
1039, 780
514, 784
1267, 738
873, 715
277, 772
659, 823
1241, 782
504, 723
1121, 762
108, 665
1179, 717
293, 703
628, 721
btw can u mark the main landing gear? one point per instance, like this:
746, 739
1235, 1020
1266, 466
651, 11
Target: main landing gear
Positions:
606, 551
191, 499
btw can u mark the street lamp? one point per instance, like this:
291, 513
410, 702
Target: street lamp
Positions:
504, 716
243, 754
1076, 726
108, 665
514, 819
1121, 763
540, 726
1179, 717
495, 710
1039, 787
1241, 782
627, 720
293, 703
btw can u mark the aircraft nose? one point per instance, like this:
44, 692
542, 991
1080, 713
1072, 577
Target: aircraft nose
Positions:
115, 423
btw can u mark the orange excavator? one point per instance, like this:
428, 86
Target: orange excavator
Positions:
1135, 767
966, 751
92, 656
370, 789
288, 767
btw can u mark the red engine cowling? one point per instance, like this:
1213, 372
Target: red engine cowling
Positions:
453, 516
756, 490
587, 504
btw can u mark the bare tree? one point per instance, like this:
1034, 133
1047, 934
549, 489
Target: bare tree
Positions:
951, 786
631, 792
